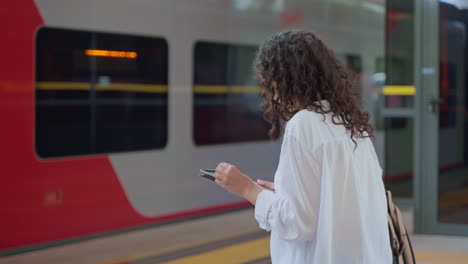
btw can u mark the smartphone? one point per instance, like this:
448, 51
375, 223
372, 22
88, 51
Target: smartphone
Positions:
208, 173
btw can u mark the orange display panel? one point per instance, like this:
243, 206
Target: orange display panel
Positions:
111, 53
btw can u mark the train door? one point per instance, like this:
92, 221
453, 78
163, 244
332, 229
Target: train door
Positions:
441, 159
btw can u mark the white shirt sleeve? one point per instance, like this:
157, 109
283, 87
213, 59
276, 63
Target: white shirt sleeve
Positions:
291, 212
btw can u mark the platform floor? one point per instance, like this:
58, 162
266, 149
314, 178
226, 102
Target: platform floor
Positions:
228, 238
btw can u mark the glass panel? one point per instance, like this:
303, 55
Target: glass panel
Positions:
396, 101
399, 53
99, 92
453, 136
399, 161
226, 97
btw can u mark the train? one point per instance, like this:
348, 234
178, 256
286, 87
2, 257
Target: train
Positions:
110, 108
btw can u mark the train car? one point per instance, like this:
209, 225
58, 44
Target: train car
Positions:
110, 108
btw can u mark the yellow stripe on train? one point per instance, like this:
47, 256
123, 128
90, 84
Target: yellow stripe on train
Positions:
399, 90
146, 88
222, 89
83, 86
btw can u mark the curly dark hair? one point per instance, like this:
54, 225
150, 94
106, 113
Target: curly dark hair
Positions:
301, 68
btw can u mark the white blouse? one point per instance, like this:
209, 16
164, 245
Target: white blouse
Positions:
329, 206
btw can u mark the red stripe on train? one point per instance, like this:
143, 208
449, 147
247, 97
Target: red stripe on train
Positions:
409, 175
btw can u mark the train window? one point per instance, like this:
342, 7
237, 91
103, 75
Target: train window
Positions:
99, 92
226, 95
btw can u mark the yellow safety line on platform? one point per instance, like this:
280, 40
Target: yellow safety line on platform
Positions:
259, 248
454, 198
399, 90
431, 257
235, 254
157, 252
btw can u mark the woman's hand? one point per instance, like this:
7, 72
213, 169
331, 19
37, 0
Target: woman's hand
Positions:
230, 178
266, 184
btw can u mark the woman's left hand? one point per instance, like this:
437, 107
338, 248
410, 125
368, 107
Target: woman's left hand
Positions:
230, 178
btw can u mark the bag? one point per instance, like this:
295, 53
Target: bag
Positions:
399, 238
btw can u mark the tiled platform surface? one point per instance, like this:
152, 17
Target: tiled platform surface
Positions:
243, 243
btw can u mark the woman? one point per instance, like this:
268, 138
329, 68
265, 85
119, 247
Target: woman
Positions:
328, 204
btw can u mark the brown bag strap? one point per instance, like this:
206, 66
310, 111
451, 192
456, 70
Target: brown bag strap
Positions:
394, 243
400, 243
408, 256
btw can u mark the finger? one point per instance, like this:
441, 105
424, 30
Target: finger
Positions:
220, 183
218, 176
224, 165
221, 170
270, 185
266, 184
267, 188
221, 167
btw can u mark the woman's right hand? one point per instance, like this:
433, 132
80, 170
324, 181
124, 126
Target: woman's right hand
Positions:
267, 185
